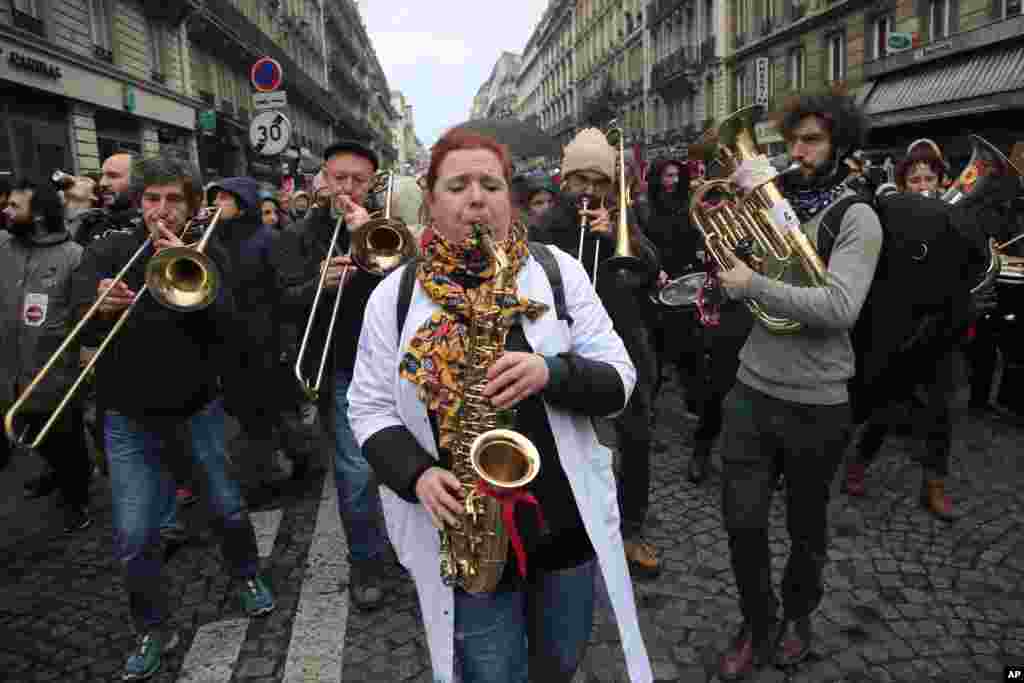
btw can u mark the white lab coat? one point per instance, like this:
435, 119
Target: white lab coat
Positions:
379, 398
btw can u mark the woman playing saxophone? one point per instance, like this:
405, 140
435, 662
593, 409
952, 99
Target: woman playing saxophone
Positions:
409, 407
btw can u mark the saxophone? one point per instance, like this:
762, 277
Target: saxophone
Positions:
474, 551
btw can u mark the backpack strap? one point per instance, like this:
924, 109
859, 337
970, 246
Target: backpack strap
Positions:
405, 287
832, 221
538, 251
547, 261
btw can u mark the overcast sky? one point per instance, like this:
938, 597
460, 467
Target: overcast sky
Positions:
439, 52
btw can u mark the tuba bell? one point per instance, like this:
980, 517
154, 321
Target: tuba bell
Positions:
761, 228
986, 166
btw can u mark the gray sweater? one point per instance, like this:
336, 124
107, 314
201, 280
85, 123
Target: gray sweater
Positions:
813, 365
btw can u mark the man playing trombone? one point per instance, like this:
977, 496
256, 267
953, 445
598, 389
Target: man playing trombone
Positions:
588, 167
349, 173
160, 372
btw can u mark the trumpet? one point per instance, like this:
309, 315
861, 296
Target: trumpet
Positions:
378, 246
180, 278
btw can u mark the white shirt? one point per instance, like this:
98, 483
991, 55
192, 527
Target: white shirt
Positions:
379, 398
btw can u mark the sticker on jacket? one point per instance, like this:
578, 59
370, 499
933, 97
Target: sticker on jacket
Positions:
35, 309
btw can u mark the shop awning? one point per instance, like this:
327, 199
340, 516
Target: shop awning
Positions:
973, 84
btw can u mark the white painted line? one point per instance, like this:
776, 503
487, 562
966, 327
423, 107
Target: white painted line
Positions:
318, 632
215, 649
266, 523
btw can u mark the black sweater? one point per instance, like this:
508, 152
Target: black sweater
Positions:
297, 258
162, 365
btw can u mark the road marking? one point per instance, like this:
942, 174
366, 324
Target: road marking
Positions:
216, 646
266, 523
214, 651
318, 632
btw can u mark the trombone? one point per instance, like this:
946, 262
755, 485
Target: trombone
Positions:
180, 278
623, 259
378, 246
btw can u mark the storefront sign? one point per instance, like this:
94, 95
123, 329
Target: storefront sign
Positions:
33, 65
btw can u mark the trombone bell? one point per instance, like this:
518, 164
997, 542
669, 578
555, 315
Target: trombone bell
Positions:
183, 279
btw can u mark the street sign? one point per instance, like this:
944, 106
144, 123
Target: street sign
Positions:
269, 100
266, 75
898, 42
269, 133
761, 89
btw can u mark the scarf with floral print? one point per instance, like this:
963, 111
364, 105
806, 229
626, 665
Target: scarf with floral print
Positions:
457, 277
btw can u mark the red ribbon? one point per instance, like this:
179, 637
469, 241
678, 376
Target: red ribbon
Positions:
508, 500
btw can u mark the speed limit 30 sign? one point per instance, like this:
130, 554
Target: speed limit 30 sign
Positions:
269, 133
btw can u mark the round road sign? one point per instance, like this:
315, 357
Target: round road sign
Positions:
266, 75
269, 133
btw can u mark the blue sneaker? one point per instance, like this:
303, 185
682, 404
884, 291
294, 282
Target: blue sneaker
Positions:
146, 660
256, 597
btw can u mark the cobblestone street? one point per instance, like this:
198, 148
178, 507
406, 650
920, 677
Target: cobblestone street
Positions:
908, 598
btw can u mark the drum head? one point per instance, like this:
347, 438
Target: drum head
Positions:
683, 291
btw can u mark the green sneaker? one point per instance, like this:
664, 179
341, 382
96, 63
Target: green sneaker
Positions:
256, 597
146, 659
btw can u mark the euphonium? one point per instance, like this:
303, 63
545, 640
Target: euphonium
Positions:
473, 553
761, 227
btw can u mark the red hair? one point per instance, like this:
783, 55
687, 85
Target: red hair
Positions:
921, 155
462, 138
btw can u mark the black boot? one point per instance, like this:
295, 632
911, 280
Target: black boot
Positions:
699, 462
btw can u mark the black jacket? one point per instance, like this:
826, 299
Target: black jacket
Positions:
96, 222
162, 366
665, 220
301, 248
626, 299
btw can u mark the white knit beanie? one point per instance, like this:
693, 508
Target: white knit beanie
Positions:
589, 151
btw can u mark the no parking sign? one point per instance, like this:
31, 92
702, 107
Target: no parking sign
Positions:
266, 75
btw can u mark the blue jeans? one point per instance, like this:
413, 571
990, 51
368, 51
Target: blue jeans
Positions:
358, 497
536, 634
142, 487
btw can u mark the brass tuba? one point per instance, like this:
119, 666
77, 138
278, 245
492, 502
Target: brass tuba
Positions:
762, 227
986, 164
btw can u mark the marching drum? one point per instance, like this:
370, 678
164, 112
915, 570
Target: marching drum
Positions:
679, 295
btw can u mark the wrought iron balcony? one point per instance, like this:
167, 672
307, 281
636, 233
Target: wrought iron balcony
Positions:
671, 69
27, 22
657, 10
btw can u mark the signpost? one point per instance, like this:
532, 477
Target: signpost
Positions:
269, 100
269, 133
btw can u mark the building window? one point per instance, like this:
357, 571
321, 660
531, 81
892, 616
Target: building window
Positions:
1011, 8
99, 18
880, 36
741, 75
939, 19
837, 57
156, 49
29, 7
797, 73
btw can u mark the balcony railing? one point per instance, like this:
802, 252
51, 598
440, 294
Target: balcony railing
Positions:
27, 22
676, 64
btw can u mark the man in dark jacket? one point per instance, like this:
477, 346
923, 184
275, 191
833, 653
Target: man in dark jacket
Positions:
252, 367
37, 258
588, 167
349, 169
160, 372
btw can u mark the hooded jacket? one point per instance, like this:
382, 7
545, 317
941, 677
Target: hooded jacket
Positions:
35, 315
250, 245
665, 219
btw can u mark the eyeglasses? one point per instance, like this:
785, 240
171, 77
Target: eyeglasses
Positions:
579, 183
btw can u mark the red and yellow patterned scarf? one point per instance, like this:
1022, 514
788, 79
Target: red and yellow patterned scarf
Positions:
436, 356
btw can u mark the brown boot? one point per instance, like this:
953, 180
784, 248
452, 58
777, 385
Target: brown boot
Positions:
935, 500
642, 559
